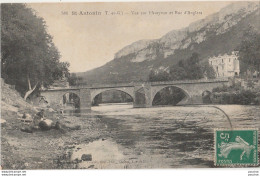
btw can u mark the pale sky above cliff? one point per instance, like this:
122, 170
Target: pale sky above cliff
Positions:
89, 41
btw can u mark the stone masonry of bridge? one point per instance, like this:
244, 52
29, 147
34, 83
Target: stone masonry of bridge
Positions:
141, 93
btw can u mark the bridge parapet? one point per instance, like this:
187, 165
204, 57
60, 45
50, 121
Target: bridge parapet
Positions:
60, 89
133, 84
190, 81
91, 86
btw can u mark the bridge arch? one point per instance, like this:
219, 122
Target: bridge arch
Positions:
69, 92
54, 97
70, 98
157, 89
206, 96
129, 91
206, 92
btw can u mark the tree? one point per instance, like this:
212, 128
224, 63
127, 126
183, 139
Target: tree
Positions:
189, 69
193, 67
160, 75
249, 49
74, 79
29, 56
208, 71
152, 76
177, 73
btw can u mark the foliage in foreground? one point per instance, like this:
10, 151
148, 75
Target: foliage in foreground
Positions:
29, 56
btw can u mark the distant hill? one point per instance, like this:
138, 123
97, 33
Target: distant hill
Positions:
217, 34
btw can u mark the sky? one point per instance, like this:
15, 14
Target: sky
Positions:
90, 39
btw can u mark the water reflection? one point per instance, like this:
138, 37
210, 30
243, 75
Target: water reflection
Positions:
72, 112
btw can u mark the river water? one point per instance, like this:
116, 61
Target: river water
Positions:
161, 137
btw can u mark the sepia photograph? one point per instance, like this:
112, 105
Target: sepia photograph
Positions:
130, 85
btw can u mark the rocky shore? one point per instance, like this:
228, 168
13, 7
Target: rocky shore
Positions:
38, 149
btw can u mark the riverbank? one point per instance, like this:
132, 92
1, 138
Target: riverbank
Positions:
43, 149
39, 149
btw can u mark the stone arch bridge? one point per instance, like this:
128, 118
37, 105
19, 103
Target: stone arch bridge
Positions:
142, 93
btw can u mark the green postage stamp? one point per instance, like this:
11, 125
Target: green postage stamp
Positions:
236, 147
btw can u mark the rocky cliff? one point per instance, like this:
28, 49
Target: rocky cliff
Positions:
218, 33
195, 33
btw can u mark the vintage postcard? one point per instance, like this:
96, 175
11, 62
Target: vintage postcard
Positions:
130, 85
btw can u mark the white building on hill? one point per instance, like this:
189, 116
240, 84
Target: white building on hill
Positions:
225, 65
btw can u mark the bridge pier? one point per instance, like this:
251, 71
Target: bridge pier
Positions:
143, 96
85, 99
